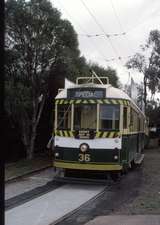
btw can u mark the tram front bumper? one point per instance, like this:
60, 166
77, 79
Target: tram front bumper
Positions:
88, 166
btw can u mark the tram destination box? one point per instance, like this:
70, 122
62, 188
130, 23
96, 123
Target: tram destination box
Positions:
86, 93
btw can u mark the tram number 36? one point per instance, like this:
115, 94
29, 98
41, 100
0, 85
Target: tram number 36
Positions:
84, 157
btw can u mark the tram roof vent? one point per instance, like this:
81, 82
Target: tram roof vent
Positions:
94, 79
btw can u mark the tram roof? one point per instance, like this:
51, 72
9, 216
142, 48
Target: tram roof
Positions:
111, 92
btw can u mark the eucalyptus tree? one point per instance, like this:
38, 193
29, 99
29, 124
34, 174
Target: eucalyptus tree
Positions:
148, 64
36, 39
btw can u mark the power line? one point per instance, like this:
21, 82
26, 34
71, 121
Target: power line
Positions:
117, 17
108, 35
94, 35
100, 26
119, 22
81, 27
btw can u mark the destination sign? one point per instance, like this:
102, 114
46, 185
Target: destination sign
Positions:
79, 93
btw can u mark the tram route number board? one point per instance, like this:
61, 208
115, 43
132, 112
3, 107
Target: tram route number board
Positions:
86, 93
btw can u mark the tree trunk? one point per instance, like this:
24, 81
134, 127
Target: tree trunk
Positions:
145, 92
35, 122
30, 149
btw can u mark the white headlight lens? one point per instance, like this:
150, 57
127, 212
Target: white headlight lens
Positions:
84, 147
116, 157
56, 154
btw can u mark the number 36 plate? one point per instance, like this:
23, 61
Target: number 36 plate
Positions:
84, 157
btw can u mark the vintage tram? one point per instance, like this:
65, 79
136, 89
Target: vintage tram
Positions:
97, 128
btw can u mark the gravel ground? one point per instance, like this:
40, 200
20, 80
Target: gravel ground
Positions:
147, 200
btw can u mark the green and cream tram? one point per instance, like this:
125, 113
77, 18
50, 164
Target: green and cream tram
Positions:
97, 127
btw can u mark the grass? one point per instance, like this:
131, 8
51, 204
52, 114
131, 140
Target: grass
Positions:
24, 166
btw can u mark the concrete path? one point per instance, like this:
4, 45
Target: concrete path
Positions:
126, 220
28, 183
48, 208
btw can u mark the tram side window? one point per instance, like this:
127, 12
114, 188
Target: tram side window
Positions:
124, 117
131, 120
64, 117
109, 117
134, 122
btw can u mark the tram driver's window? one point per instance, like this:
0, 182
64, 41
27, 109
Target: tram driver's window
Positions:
109, 117
124, 117
64, 117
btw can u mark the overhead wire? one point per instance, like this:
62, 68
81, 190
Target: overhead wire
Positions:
81, 27
108, 35
120, 24
93, 35
107, 38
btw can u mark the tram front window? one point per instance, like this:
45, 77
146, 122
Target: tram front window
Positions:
85, 117
64, 117
109, 117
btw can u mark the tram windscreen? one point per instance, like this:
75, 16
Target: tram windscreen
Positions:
64, 117
109, 117
85, 117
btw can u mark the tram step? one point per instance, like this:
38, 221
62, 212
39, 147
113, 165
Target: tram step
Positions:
139, 158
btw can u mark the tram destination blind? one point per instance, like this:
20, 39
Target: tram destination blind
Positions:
86, 93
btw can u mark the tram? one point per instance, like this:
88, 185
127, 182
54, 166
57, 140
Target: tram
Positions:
97, 128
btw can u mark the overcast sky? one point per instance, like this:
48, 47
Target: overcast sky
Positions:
136, 18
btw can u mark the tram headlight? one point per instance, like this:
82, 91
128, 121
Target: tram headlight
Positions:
84, 147
56, 154
116, 157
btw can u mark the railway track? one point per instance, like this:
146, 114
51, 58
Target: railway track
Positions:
50, 186
60, 186
51, 203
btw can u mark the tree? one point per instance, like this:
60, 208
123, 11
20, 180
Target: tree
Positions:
109, 72
153, 71
36, 39
138, 62
150, 67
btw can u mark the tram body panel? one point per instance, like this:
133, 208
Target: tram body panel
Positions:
99, 143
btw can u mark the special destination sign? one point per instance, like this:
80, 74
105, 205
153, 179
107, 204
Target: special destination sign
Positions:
79, 93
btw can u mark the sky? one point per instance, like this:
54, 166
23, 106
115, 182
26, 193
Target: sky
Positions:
117, 29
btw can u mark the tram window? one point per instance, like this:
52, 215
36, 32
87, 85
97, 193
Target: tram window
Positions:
85, 117
109, 117
64, 117
124, 117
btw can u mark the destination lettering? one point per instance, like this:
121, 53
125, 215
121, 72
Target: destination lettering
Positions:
87, 93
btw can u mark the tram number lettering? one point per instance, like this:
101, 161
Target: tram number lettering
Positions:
84, 157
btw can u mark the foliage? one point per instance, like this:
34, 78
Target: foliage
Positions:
109, 72
153, 112
153, 71
36, 40
150, 67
